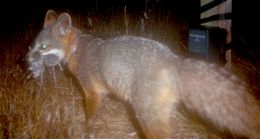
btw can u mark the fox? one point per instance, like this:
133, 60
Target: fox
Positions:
148, 75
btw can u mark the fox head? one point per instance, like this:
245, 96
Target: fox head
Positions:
53, 44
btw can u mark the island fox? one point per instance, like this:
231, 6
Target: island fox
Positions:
147, 75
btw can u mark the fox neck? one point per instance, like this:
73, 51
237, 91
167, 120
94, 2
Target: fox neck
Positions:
71, 41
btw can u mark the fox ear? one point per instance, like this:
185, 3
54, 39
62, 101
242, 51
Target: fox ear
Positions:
63, 24
50, 18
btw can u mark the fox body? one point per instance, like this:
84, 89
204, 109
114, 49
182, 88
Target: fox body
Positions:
148, 75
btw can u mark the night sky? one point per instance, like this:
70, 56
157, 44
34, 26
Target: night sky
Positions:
16, 15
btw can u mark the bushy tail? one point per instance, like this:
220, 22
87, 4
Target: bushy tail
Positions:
220, 97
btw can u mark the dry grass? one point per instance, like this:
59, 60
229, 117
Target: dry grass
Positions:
28, 110
55, 110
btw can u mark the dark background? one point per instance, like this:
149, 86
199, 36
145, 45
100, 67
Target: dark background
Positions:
15, 16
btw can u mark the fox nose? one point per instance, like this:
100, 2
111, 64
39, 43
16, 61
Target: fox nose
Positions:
36, 56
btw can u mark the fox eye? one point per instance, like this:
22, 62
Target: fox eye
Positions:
43, 46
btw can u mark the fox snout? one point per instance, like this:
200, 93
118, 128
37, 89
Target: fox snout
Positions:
37, 61
34, 63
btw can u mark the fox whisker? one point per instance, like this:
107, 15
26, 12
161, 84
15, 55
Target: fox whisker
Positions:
54, 75
41, 77
29, 76
60, 67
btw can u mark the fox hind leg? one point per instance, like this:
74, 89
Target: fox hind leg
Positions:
154, 117
153, 106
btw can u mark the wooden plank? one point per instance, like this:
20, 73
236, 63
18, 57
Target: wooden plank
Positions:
217, 17
211, 5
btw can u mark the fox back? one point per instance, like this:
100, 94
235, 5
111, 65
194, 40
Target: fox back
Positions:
146, 74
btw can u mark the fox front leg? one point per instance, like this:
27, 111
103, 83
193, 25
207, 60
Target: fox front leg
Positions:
91, 95
92, 102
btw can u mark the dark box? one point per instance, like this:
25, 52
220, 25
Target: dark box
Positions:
207, 44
